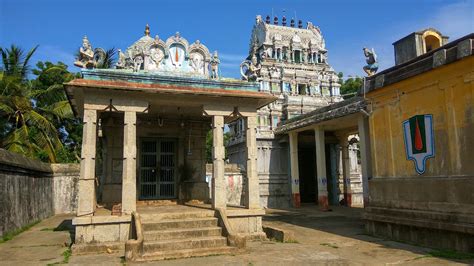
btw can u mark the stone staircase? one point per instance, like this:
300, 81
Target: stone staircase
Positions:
181, 235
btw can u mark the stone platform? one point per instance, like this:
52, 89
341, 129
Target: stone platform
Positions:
104, 232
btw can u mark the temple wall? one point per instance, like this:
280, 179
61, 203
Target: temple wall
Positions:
272, 163
31, 190
413, 207
191, 151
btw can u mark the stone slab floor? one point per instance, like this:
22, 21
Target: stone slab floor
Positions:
323, 238
42, 244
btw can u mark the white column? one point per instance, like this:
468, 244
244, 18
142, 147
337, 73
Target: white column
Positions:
252, 190
346, 170
365, 156
219, 195
86, 195
129, 173
295, 175
321, 169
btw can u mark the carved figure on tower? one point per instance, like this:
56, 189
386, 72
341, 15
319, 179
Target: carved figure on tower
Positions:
215, 66
85, 57
250, 69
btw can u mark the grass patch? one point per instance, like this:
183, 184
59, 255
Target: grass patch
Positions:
66, 255
451, 254
289, 241
47, 229
11, 235
329, 245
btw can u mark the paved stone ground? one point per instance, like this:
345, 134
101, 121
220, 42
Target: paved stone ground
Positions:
43, 244
323, 238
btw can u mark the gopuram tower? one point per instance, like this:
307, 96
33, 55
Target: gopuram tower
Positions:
291, 62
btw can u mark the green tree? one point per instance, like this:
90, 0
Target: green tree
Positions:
50, 93
350, 86
209, 145
27, 123
15, 62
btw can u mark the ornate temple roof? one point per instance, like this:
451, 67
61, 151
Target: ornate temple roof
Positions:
282, 35
173, 56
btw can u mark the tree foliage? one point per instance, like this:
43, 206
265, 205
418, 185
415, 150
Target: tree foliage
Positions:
209, 145
350, 87
33, 113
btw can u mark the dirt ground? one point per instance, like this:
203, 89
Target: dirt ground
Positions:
322, 238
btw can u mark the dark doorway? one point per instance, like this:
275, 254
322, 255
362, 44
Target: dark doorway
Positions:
307, 173
158, 169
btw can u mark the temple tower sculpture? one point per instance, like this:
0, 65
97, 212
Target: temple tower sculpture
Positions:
291, 62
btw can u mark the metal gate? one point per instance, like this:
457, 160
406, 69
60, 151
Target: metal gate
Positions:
158, 169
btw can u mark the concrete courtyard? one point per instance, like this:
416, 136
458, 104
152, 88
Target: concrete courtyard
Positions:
336, 237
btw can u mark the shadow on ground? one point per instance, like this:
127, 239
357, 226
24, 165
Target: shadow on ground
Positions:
341, 221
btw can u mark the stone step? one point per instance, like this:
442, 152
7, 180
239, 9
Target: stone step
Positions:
179, 244
177, 224
187, 253
182, 233
176, 215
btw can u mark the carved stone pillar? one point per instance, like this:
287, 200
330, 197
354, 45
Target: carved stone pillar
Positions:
129, 173
295, 175
321, 169
252, 190
365, 156
219, 192
346, 170
86, 194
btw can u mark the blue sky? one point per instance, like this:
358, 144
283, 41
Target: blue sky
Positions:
347, 26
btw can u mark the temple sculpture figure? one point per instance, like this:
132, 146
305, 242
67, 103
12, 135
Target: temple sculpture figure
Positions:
85, 57
371, 59
215, 66
290, 62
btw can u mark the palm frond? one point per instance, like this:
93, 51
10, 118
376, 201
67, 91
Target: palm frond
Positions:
26, 60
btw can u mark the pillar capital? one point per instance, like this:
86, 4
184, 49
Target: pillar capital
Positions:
217, 110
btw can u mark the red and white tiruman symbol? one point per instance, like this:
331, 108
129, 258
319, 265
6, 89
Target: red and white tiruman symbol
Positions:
419, 140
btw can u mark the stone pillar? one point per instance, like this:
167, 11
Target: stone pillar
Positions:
295, 175
86, 188
252, 192
219, 192
321, 169
129, 173
346, 170
365, 156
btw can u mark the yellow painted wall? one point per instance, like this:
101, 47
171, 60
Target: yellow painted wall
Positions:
447, 93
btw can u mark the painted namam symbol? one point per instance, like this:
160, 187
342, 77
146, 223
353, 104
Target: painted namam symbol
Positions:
419, 140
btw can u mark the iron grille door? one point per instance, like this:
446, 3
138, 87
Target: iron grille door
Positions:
148, 170
167, 169
158, 169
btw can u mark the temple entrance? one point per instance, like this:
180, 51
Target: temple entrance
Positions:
307, 171
158, 169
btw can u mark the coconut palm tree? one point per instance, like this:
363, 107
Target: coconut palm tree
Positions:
15, 62
28, 129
